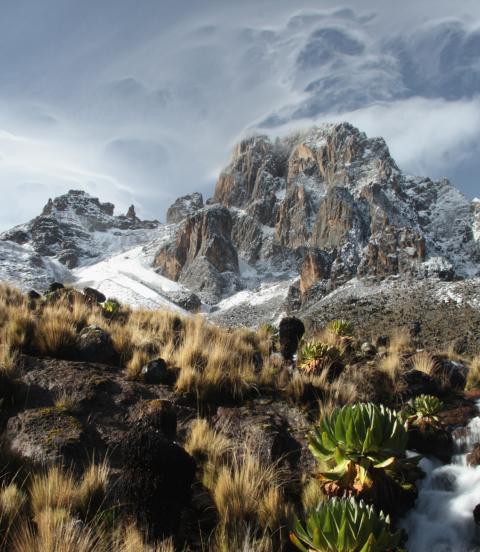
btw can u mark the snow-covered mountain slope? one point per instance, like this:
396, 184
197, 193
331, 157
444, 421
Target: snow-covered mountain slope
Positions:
293, 221
129, 278
27, 270
77, 229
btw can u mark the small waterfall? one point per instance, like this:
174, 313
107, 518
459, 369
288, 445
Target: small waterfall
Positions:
442, 520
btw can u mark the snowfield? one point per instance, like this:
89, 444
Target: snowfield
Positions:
129, 279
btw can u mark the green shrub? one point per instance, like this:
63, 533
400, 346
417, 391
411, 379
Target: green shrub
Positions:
111, 306
316, 355
422, 412
342, 328
344, 525
360, 445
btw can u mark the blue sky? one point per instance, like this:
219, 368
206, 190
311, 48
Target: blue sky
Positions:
141, 101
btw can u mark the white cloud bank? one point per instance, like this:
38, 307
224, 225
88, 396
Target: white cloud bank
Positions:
142, 102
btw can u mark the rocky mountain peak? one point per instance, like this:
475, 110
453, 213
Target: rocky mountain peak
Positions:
330, 204
76, 227
131, 214
201, 254
183, 207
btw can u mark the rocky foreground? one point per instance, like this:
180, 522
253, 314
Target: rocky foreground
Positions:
181, 410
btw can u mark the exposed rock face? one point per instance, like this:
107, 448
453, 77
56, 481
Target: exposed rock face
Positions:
202, 256
314, 210
76, 226
46, 435
343, 196
183, 207
329, 205
316, 266
156, 478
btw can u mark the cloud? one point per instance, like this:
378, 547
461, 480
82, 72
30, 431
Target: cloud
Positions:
425, 137
143, 103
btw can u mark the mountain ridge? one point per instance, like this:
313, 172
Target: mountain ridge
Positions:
291, 220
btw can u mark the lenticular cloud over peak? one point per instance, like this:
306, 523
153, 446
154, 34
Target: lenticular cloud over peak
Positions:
143, 103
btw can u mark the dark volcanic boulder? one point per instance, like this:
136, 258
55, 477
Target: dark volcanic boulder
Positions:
419, 383
450, 373
95, 345
291, 330
430, 441
94, 296
156, 371
47, 435
33, 295
55, 286
156, 478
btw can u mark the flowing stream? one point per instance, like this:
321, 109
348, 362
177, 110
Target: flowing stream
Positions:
442, 520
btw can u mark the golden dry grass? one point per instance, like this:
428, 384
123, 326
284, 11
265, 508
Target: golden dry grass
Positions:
136, 363
66, 401
249, 492
55, 331
424, 361
59, 490
400, 341
55, 531
312, 494
473, 376
391, 364
210, 362
205, 443
8, 362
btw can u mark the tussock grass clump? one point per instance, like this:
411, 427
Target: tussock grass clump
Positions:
66, 401
136, 363
391, 365
400, 341
59, 490
205, 443
55, 332
425, 362
473, 376
249, 492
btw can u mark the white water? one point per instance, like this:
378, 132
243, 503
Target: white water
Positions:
442, 520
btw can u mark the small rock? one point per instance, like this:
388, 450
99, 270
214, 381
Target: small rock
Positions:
156, 371
33, 295
94, 296
95, 345
382, 341
476, 514
188, 301
55, 286
473, 458
368, 349
415, 328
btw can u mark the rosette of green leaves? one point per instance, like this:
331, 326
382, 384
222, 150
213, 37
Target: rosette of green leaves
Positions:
422, 410
342, 328
315, 353
364, 434
344, 525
